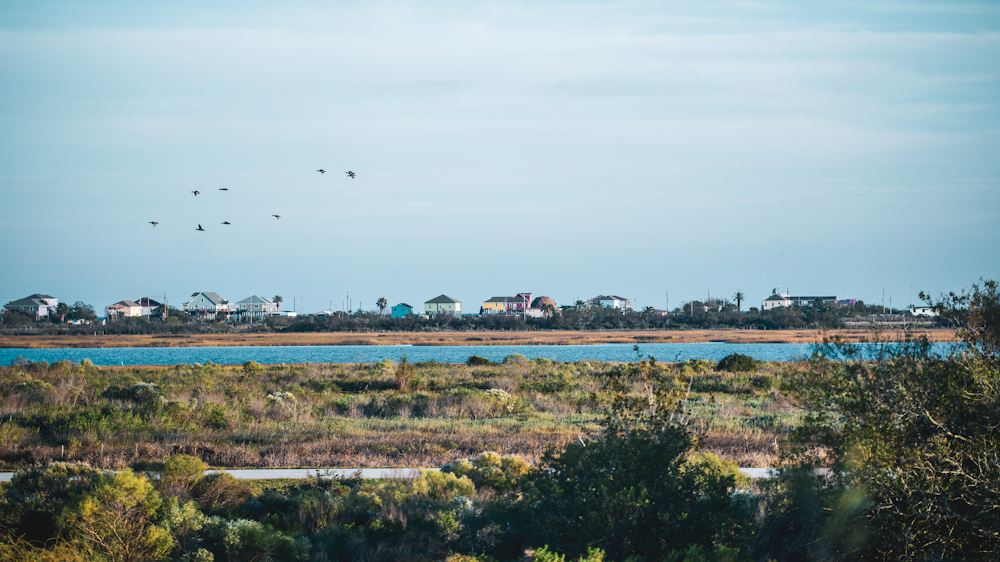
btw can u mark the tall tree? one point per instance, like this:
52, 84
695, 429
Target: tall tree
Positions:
738, 297
381, 303
277, 301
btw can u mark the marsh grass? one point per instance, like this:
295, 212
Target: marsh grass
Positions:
357, 414
483, 338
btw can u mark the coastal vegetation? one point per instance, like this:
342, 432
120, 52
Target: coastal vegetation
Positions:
907, 440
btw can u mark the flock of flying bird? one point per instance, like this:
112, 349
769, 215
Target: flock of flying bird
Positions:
350, 174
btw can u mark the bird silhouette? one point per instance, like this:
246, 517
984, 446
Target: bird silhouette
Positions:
351, 174
277, 216
321, 171
225, 222
223, 189
196, 193
154, 223
200, 228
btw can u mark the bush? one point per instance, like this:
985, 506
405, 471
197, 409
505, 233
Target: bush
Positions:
491, 470
514, 358
737, 363
36, 496
220, 490
477, 361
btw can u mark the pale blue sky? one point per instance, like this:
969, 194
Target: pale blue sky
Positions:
569, 149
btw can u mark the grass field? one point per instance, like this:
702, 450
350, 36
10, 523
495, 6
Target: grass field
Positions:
454, 338
356, 415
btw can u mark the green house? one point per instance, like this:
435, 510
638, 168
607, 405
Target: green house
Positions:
443, 305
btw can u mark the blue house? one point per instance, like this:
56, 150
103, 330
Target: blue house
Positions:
401, 310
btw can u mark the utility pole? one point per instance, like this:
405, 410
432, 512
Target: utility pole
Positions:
883, 302
164, 305
668, 301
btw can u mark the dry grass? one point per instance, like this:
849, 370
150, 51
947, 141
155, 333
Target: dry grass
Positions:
455, 338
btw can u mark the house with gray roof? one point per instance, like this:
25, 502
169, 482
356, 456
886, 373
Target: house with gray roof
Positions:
207, 303
37, 305
256, 306
443, 304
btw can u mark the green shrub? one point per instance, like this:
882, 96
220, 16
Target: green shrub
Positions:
477, 361
736, 363
514, 358
501, 473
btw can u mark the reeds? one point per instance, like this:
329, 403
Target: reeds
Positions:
452, 338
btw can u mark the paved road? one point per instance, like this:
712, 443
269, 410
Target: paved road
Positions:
269, 473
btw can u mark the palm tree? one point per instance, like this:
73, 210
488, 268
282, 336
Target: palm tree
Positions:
381, 303
738, 297
549, 309
648, 310
579, 305
277, 301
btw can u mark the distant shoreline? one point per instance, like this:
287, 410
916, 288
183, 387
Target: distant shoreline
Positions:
461, 338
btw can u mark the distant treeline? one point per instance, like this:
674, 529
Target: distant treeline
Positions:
691, 316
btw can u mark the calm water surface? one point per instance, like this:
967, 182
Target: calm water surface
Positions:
442, 354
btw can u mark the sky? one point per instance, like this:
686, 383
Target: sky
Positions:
650, 150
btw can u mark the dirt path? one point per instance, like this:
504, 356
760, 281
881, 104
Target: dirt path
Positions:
455, 338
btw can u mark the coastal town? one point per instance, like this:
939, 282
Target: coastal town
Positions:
208, 304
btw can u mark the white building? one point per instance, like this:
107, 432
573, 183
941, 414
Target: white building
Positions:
124, 309
922, 310
784, 299
610, 301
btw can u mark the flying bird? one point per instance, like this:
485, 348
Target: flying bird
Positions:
154, 223
196, 193
200, 228
225, 222
223, 189
351, 174
321, 171
277, 216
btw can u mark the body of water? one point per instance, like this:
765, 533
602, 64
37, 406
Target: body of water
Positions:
620, 352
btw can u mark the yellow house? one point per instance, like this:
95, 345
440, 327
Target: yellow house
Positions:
496, 305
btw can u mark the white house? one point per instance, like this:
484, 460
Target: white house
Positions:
207, 303
256, 306
124, 309
776, 300
784, 299
149, 306
610, 301
922, 310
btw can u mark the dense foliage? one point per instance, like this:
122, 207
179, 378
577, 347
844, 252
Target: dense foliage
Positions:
912, 440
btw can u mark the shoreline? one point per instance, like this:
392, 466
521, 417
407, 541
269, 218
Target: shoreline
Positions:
851, 335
